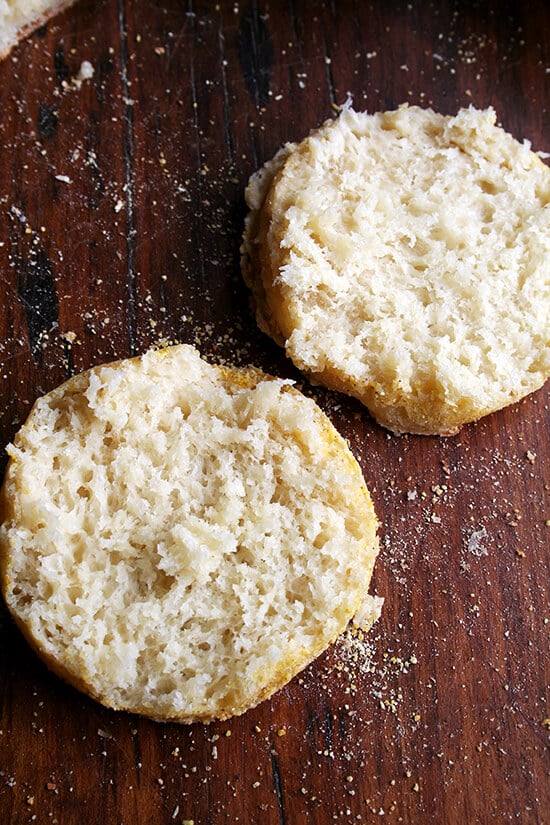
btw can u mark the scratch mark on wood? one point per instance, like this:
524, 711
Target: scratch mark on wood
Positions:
255, 50
36, 288
47, 121
292, 12
97, 190
278, 786
329, 730
137, 756
257, 157
227, 113
62, 70
195, 97
128, 153
312, 725
328, 72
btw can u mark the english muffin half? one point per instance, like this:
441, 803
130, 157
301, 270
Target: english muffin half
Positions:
180, 539
404, 258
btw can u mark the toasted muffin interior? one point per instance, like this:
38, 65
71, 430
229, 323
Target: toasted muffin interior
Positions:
404, 258
180, 539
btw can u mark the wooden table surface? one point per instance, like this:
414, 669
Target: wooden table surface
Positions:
121, 210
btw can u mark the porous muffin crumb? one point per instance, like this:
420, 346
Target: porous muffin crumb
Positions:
179, 539
19, 17
404, 258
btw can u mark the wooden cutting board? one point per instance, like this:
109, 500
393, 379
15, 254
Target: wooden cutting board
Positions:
128, 131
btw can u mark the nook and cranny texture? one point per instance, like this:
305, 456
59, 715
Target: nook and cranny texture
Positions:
180, 539
404, 258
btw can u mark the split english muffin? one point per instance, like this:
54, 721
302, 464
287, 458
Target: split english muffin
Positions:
180, 539
404, 258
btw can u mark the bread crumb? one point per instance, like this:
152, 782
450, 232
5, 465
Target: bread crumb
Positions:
86, 72
475, 542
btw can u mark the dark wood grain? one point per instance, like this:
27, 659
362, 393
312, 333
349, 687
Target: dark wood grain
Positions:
121, 210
